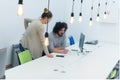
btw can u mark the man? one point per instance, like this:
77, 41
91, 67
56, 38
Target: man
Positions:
57, 38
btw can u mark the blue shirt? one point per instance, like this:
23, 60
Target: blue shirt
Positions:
56, 41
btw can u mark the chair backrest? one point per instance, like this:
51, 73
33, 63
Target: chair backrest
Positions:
14, 52
115, 72
3, 52
71, 39
24, 56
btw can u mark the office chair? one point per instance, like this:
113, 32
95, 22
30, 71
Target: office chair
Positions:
71, 40
115, 72
3, 52
24, 56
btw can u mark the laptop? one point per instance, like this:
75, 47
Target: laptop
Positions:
2, 62
81, 42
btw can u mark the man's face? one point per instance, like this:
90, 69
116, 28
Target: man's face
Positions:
61, 32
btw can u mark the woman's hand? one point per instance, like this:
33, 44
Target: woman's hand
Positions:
50, 55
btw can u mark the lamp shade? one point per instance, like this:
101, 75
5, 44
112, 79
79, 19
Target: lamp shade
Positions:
20, 8
46, 39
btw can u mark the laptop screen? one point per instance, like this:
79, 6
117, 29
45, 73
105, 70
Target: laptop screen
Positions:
81, 41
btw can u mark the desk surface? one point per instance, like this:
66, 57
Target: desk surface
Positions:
94, 65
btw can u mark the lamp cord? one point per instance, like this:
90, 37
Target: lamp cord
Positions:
98, 6
73, 6
106, 6
81, 6
92, 8
48, 4
47, 19
20, 2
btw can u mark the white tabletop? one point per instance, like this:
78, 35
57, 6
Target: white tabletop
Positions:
74, 65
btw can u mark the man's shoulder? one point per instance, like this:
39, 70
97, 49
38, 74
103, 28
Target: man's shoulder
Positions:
64, 35
51, 35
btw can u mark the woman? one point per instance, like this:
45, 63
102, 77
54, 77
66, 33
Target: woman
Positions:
33, 38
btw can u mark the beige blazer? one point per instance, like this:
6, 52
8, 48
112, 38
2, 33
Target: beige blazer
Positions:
27, 21
33, 38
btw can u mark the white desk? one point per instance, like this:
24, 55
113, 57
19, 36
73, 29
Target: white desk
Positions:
95, 65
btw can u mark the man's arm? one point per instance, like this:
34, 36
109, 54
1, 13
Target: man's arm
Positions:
51, 46
58, 50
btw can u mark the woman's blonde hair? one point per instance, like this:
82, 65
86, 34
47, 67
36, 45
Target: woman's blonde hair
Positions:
46, 13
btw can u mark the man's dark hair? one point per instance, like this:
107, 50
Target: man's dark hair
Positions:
58, 26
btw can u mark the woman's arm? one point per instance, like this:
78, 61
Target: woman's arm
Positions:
27, 21
40, 31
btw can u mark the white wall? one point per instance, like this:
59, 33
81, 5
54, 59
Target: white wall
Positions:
119, 24
12, 28
102, 31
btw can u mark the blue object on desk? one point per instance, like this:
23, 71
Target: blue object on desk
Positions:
71, 39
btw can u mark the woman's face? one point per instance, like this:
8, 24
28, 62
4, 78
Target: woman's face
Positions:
47, 20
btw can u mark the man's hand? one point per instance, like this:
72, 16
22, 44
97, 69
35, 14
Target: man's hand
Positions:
65, 51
